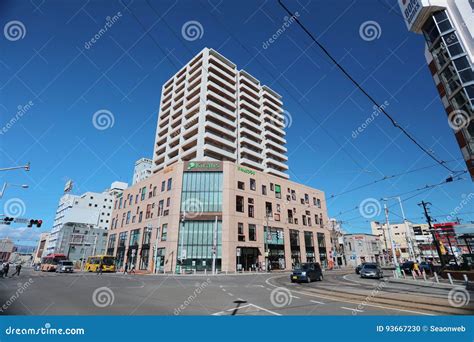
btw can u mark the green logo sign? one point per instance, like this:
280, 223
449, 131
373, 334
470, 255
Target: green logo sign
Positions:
194, 165
245, 170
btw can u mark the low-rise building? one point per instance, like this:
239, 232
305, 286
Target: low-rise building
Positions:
361, 248
183, 214
6, 249
40, 248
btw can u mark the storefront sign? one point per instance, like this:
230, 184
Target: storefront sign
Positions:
245, 170
410, 10
203, 166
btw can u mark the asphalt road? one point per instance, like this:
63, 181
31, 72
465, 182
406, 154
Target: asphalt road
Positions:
340, 293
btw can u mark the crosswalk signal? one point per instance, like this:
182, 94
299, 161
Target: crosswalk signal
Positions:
36, 223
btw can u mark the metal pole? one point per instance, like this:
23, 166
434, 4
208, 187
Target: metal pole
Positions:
214, 247
432, 230
394, 255
181, 235
26, 167
266, 242
407, 232
385, 255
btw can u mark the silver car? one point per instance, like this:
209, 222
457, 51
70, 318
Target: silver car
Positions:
371, 271
65, 266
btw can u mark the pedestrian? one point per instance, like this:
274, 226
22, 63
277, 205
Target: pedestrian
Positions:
132, 269
99, 269
6, 268
416, 268
125, 269
17, 271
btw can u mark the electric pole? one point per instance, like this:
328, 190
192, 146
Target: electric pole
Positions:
394, 254
435, 240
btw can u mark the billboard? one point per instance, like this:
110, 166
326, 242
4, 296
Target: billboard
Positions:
411, 9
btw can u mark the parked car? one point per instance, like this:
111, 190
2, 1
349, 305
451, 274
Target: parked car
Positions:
359, 267
407, 267
307, 272
65, 266
371, 271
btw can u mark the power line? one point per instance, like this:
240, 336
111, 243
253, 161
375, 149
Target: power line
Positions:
387, 178
346, 73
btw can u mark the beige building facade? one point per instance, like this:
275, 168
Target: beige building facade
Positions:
183, 215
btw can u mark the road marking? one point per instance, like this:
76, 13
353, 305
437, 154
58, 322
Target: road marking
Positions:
295, 297
343, 307
230, 294
352, 302
316, 302
224, 290
250, 305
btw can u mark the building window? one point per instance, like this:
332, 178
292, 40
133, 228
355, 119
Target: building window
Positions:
271, 186
140, 216
306, 198
264, 190
204, 188
268, 209
240, 185
251, 210
148, 211
304, 220
290, 216
127, 221
252, 232
147, 236
160, 207
143, 193
134, 237
253, 184
239, 204
164, 232
168, 202
163, 184
240, 231
154, 191
168, 187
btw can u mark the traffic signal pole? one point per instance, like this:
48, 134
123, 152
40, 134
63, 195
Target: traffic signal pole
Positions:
435, 240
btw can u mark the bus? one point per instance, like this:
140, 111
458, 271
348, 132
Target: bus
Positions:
49, 262
93, 262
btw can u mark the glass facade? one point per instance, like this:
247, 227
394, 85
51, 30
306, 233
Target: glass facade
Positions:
322, 249
275, 241
195, 245
202, 192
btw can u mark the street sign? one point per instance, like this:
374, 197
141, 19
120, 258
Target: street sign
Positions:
21, 220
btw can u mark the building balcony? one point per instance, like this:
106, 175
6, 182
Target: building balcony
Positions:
251, 135
224, 129
271, 145
279, 165
255, 145
223, 77
217, 153
274, 137
221, 100
216, 88
220, 141
250, 163
251, 154
219, 118
230, 71
276, 155
276, 172
215, 107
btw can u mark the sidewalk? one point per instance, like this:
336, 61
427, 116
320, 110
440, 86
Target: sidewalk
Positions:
429, 282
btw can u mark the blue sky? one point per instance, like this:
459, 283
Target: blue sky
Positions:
123, 72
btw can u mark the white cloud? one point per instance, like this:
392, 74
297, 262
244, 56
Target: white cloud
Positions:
20, 235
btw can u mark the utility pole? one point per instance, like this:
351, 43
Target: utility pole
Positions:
385, 255
435, 240
394, 255
409, 239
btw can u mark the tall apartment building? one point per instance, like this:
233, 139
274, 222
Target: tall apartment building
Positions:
142, 170
211, 111
91, 208
219, 189
448, 28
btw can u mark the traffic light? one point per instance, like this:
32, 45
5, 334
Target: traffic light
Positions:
36, 223
8, 220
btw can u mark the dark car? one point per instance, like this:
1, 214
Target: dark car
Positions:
425, 266
65, 266
407, 267
371, 271
307, 272
359, 267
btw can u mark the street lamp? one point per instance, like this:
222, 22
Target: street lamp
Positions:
26, 167
4, 187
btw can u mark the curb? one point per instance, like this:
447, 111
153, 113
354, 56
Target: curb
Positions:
427, 283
